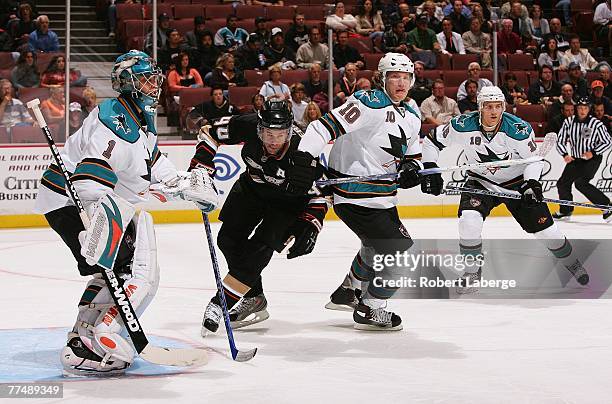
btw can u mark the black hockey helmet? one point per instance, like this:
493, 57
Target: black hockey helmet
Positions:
275, 115
583, 100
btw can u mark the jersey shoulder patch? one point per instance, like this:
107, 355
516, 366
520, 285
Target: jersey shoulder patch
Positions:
375, 99
466, 122
515, 127
116, 118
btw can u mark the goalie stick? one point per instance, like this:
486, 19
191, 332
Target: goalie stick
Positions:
547, 144
147, 351
238, 356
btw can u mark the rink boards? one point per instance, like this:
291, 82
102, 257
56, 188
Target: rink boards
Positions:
22, 166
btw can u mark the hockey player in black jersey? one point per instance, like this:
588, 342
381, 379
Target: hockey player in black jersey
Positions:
260, 203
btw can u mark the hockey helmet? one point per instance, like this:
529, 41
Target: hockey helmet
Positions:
395, 62
490, 94
274, 126
136, 74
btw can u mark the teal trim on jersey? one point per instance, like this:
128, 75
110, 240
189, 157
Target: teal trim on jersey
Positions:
96, 172
515, 127
375, 99
360, 188
466, 122
119, 120
333, 128
54, 181
412, 111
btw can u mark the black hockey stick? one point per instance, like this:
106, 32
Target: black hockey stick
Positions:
239, 356
150, 353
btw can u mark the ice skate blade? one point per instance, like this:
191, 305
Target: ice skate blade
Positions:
76, 373
251, 319
204, 332
371, 327
338, 307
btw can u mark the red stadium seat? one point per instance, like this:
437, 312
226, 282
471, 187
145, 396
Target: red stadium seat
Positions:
246, 12
215, 25
362, 44
451, 92
365, 73
313, 12
592, 76
136, 42
372, 59
248, 25
29, 93
432, 74
137, 28
280, 13
188, 11
6, 60
487, 74
43, 59
256, 78
161, 9
183, 25
26, 134
539, 128
129, 12
583, 21
325, 75
4, 136
443, 62
520, 62
218, 11
5, 73
295, 76
531, 113
240, 96
454, 78
461, 62
522, 78
189, 97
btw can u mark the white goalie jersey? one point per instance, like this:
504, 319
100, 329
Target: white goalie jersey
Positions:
514, 140
111, 151
371, 135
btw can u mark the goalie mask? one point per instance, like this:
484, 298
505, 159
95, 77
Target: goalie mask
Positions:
136, 74
274, 126
491, 106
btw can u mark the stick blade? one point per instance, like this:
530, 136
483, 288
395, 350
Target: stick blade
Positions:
175, 356
244, 356
550, 140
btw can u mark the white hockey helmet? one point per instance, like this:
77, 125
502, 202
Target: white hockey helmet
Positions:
395, 62
489, 94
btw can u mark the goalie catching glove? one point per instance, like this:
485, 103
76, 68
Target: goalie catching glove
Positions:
195, 186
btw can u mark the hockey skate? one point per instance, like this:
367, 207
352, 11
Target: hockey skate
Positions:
345, 298
578, 272
607, 216
79, 360
466, 280
249, 311
212, 316
561, 216
370, 319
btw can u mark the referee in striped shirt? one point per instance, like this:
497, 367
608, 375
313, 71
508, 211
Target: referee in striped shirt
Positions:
587, 138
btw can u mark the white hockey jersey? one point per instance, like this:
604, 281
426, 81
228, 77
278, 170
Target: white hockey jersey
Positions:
514, 140
371, 135
110, 151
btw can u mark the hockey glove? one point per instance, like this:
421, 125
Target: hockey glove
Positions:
432, 183
302, 172
200, 189
409, 173
305, 231
531, 193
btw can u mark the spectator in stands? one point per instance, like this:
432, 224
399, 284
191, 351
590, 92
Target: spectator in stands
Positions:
348, 83
469, 104
518, 14
450, 42
297, 34
388, 8
55, 75
602, 19
369, 21
405, 15
450, 7
261, 28
345, 53
217, 107
506, 10
43, 39
257, 102
364, 84
433, 13
545, 90
514, 93
270, 3
250, 56
91, 102
274, 89
478, 42
340, 21
599, 113
168, 53
112, 15
278, 52
421, 88
206, 55
316, 88
458, 18
551, 56
565, 7
25, 73
12, 111
567, 96
579, 55
438, 109
508, 42
231, 36
486, 25
555, 32
183, 75
474, 70
226, 74
574, 77
604, 77
6, 42
598, 97
20, 28
53, 107
423, 39
193, 38
396, 39
75, 118
556, 121
311, 114
163, 25
537, 25
313, 52
298, 105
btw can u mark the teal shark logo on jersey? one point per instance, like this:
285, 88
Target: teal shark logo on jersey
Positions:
491, 156
461, 120
121, 123
398, 144
521, 128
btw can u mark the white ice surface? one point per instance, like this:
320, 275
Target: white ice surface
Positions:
458, 351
